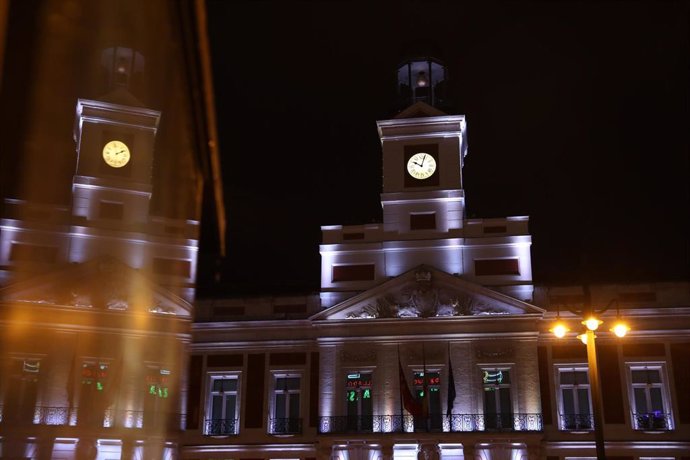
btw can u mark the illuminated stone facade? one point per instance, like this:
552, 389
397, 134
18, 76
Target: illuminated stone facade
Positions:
446, 307
96, 299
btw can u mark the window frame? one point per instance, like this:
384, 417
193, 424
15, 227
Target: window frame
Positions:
434, 420
92, 407
363, 423
512, 392
291, 424
208, 406
25, 406
663, 385
559, 369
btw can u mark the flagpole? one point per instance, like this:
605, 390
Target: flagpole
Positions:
402, 424
450, 394
425, 390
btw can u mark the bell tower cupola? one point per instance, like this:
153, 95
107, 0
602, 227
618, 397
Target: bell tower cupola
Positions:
123, 66
422, 79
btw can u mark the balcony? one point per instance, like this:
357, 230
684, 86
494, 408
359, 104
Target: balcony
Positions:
434, 423
652, 421
285, 426
220, 427
108, 418
576, 422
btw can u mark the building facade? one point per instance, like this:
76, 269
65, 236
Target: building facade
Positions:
98, 265
428, 339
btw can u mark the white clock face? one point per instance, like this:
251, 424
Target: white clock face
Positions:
421, 166
116, 154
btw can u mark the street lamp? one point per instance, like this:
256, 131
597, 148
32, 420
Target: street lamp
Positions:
592, 322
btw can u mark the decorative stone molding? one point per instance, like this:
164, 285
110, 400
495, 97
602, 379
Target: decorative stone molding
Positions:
494, 352
422, 300
365, 355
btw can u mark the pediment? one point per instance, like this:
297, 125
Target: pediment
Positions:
425, 292
420, 109
100, 284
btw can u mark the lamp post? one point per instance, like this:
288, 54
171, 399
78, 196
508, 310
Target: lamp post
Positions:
592, 322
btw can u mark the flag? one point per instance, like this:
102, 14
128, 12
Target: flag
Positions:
451, 388
425, 387
409, 402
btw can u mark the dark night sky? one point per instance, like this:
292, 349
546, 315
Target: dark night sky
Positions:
577, 116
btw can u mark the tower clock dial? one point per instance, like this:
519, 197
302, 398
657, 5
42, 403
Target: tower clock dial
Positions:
116, 154
421, 166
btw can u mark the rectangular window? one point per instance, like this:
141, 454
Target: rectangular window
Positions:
22, 392
498, 408
574, 399
94, 394
21, 252
358, 394
488, 267
364, 272
172, 267
111, 210
222, 406
649, 397
156, 397
286, 405
427, 389
426, 221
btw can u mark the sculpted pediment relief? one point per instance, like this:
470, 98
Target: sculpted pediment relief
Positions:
103, 284
427, 293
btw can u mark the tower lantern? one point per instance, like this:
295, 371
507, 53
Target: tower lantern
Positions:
422, 79
121, 65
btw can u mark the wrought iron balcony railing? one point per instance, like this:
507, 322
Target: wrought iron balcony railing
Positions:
652, 421
220, 427
434, 423
107, 418
577, 422
285, 426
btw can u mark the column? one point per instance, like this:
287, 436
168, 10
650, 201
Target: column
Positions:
45, 448
386, 451
86, 449
127, 452
468, 451
533, 452
428, 451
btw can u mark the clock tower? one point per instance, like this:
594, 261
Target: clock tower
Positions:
422, 172
115, 144
110, 213
423, 201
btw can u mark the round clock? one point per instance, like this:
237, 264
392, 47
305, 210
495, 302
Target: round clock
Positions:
116, 154
421, 166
